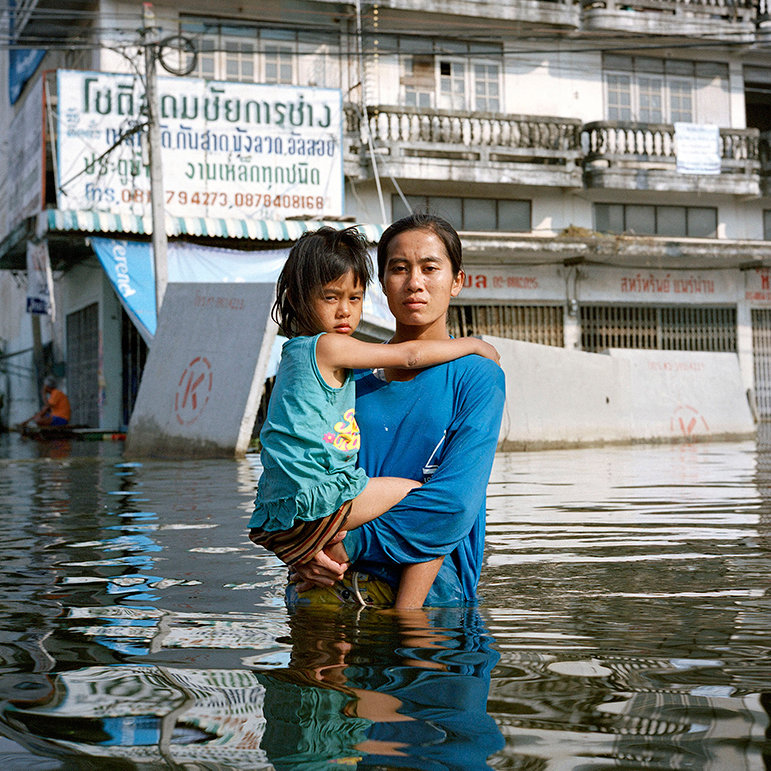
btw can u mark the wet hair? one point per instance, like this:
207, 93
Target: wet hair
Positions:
318, 258
421, 221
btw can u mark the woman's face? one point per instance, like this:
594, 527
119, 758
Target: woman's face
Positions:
419, 281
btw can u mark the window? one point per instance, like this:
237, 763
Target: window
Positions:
486, 87
650, 220
279, 66
619, 97
418, 81
450, 75
640, 88
767, 224
650, 88
452, 84
239, 60
470, 214
251, 54
680, 101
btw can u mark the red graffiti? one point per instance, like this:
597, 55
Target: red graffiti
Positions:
687, 421
193, 390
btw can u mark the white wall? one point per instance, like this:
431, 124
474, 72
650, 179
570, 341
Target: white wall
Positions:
557, 398
560, 84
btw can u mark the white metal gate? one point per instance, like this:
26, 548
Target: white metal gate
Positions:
761, 359
666, 327
532, 323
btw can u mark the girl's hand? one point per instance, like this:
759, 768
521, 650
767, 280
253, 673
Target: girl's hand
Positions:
488, 351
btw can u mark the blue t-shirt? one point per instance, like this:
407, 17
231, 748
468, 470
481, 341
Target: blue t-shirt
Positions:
309, 443
446, 421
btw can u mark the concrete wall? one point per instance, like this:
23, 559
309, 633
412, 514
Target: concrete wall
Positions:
205, 373
562, 398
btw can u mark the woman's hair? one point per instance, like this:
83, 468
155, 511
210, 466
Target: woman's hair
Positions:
421, 221
318, 258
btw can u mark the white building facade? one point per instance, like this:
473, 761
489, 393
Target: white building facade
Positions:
606, 165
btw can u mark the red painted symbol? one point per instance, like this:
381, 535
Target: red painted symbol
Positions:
687, 420
193, 390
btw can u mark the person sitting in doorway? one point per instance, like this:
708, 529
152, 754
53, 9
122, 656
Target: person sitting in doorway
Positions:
56, 406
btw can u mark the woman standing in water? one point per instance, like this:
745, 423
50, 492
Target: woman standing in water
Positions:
438, 426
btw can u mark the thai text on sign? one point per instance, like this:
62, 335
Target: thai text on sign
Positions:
235, 150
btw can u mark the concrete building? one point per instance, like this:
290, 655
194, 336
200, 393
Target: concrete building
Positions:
606, 165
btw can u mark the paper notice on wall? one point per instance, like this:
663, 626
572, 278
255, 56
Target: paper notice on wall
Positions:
40, 285
697, 148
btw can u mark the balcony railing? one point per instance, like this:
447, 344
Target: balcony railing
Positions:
724, 10
410, 132
652, 145
489, 147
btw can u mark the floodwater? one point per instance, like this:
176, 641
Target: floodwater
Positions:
626, 623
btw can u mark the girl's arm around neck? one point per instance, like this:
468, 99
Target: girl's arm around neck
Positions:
336, 351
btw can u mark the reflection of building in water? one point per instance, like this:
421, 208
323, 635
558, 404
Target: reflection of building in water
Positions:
154, 714
633, 709
763, 482
349, 689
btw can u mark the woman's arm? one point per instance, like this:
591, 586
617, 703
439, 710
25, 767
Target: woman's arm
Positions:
439, 516
335, 351
433, 519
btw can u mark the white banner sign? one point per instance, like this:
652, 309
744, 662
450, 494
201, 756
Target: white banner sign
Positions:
697, 148
21, 163
237, 150
40, 285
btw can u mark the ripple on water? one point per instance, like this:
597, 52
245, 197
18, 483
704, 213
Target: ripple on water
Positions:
626, 623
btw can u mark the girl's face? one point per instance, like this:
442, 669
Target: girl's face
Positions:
419, 281
339, 304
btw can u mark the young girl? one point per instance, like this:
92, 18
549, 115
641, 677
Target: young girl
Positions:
310, 489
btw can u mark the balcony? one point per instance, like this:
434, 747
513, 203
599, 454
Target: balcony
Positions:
455, 146
732, 20
409, 13
641, 156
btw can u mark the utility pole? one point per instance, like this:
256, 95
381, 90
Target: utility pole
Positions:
157, 191
366, 134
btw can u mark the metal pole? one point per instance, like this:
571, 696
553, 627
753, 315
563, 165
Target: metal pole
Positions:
364, 126
157, 191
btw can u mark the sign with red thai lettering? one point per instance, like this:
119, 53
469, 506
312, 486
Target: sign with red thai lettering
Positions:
657, 286
527, 282
757, 290
232, 150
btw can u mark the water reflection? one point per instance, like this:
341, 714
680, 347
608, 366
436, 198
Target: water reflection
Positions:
626, 623
382, 691
337, 687
629, 599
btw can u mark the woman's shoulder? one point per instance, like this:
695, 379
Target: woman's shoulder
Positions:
476, 367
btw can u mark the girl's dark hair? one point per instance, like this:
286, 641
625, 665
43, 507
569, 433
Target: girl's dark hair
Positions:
421, 221
318, 258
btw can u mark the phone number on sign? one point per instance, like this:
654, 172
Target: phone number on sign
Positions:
237, 200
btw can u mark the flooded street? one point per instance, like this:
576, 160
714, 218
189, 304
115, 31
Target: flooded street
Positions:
626, 623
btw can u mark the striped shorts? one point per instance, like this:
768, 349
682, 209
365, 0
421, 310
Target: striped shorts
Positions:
304, 539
